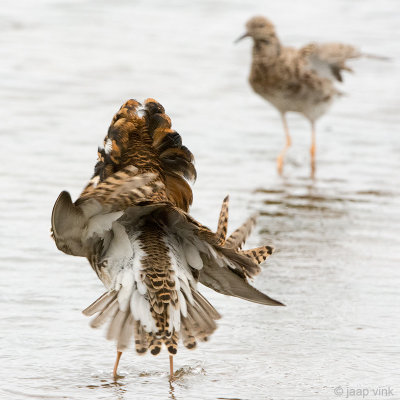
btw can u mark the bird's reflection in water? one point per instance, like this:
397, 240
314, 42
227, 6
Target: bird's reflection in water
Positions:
171, 390
117, 387
315, 219
302, 212
289, 196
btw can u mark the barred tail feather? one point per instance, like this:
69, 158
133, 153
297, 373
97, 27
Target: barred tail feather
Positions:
141, 338
222, 228
248, 265
197, 324
258, 254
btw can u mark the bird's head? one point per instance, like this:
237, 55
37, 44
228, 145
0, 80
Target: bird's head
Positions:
260, 29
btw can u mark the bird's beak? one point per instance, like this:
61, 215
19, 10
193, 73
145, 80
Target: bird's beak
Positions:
241, 37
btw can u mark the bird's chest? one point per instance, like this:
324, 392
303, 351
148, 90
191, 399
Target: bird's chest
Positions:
273, 82
284, 87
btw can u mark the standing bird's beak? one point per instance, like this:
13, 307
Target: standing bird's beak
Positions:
241, 37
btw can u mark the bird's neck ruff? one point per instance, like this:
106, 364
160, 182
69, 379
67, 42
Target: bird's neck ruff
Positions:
143, 137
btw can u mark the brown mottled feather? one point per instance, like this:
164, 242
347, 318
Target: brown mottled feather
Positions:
148, 143
141, 338
124, 189
258, 254
222, 229
160, 282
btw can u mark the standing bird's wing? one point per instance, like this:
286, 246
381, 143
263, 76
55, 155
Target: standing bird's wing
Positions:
329, 59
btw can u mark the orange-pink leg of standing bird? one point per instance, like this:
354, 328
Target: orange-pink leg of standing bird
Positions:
313, 149
281, 156
119, 353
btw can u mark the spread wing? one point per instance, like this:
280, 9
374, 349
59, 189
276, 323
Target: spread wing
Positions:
328, 60
143, 160
216, 263
74, 226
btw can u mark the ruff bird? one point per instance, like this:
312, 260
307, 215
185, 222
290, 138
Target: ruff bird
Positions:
299, 80
132, 224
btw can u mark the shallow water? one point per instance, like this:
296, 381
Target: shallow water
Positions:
66, 68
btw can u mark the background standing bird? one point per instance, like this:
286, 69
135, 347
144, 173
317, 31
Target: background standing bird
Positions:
131, 223
299, 80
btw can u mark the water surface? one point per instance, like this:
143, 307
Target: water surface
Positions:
65, 69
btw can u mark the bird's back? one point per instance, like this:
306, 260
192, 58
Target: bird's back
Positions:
286, 81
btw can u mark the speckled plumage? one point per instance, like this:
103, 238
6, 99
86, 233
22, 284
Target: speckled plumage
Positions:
131, 222
296, 80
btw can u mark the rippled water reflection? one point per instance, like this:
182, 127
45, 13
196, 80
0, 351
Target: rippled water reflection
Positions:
67, 66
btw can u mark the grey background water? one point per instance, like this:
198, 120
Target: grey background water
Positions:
66, 67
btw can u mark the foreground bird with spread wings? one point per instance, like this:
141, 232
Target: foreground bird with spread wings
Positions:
132, 223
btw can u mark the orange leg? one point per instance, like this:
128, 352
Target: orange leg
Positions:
281, 156
171, 367
119, 353
313, 149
